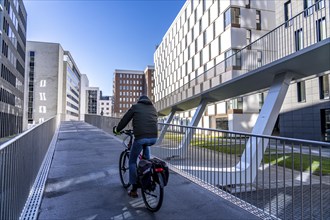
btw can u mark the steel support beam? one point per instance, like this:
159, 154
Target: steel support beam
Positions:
194, 122
165, 127
246, 170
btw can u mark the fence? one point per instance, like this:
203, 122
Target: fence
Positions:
292, 181
102, 122
20, 162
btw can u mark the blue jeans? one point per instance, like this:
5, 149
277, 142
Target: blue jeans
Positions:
134, 154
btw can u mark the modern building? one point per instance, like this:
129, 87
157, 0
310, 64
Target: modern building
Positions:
13, 20
84, 84
106, 105
128, 86
54, 83
306, 110
150, 82
93, 100
204, 34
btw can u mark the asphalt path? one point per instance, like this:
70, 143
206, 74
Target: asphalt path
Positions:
83, 183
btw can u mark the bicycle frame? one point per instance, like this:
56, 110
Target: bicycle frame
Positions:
152, 197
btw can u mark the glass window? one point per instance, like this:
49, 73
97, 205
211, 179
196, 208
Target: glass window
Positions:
235, 18
320, 29
259, 58
324, 87
261, 100
232, 16
301, 91
298, 39
258, 19
325, 124
232, 61
307, 7
287, 13
319, 4
248, 38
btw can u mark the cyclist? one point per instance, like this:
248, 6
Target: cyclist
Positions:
144, 116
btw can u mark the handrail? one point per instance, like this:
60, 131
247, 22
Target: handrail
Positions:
286, 184
20, 161
9, 142
326, 144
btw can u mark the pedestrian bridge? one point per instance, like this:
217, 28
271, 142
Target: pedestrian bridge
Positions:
70, 171
215, 174
83, 183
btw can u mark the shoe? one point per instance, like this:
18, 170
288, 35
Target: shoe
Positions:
133, 194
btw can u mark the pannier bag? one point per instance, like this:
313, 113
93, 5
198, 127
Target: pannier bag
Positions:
144, 173
156, 163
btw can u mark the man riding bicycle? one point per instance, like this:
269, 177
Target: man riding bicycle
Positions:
144, 117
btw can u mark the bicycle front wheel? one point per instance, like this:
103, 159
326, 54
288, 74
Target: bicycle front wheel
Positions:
153, 197
124, 169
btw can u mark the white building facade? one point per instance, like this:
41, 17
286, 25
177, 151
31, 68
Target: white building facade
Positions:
106, 105
202, 35
54, 83
306, 109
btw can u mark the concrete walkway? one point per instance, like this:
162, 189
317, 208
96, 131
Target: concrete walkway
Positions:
83, 183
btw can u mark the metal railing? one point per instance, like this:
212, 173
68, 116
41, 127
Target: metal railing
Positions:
297, 33
292, 181
20, 161
103, 122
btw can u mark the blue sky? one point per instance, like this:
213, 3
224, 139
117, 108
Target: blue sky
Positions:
103, 35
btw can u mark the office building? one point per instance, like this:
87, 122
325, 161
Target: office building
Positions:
128, 86
93, 100
13, 19
54, 83
204, 34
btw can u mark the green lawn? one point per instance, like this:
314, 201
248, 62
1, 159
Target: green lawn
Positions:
305, 163
224, 145
220, 146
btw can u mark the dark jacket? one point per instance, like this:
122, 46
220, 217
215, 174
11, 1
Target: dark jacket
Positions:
144, 117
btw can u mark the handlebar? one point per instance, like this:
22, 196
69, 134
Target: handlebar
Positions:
128, 132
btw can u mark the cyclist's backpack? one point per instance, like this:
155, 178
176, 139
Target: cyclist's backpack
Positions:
156, 163
144, 173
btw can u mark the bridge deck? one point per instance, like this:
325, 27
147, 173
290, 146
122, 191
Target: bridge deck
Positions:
83, 183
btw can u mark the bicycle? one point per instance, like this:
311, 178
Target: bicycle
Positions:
154, 193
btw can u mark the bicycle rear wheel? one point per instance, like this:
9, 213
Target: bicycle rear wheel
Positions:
153, 197
124, 169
